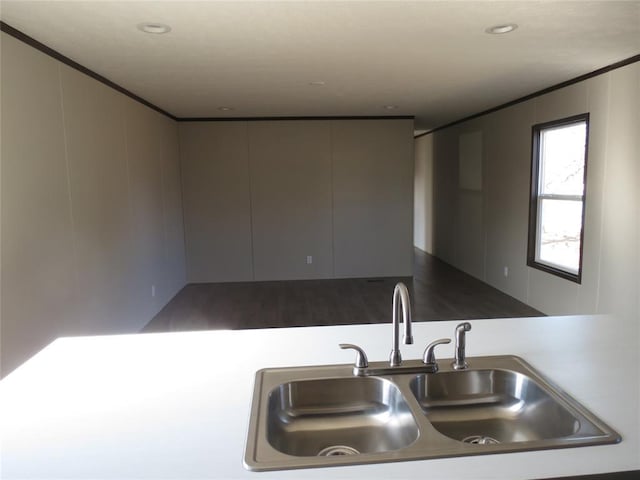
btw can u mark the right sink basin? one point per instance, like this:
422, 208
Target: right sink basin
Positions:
492, 406
503, 402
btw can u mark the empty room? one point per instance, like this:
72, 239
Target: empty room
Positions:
320, 239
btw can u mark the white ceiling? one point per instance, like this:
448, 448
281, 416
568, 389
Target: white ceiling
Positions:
432, 59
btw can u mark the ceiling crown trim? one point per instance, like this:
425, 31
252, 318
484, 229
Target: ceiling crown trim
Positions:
32, 42
544, 91
9, 30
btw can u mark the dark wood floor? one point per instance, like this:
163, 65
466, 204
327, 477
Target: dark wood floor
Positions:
438, 292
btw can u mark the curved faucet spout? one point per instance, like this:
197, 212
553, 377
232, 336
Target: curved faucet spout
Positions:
401, 307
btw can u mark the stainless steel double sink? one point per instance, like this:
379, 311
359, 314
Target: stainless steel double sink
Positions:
326, 416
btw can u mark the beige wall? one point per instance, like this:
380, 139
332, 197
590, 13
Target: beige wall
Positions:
91, 206
483, 232
262, 196
373, 198
291, 199
217, 204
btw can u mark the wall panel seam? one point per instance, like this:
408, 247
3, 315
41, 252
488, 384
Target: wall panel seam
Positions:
188, 267
485, 204
127, 157
163, 205
251, 239
178, 152
331, 167
603, 197
74, 246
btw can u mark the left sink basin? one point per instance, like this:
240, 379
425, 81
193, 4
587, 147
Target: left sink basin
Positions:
339, 416
322, 416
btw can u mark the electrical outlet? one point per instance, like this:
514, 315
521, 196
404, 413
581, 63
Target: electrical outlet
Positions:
506, 271
153, 291
309, 259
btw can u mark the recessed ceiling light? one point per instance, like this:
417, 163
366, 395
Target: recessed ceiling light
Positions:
317, 83
500, 29
225, 109
390, 107
152, 27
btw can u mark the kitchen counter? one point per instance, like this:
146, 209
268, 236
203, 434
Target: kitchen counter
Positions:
176, 405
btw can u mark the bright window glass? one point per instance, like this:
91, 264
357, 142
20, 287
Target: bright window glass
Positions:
560, 228
562, 160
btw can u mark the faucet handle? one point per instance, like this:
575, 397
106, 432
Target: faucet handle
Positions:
429, 356
361, 357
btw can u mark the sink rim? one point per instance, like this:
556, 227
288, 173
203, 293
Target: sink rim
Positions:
259, 455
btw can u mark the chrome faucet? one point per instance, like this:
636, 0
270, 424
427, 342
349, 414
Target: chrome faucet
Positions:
460, 362
401, 305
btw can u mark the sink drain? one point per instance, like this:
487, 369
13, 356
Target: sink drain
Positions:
480, 440
335, 450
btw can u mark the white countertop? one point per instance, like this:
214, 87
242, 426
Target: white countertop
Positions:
176, 405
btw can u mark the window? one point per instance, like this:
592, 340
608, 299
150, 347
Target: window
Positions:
558, 180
